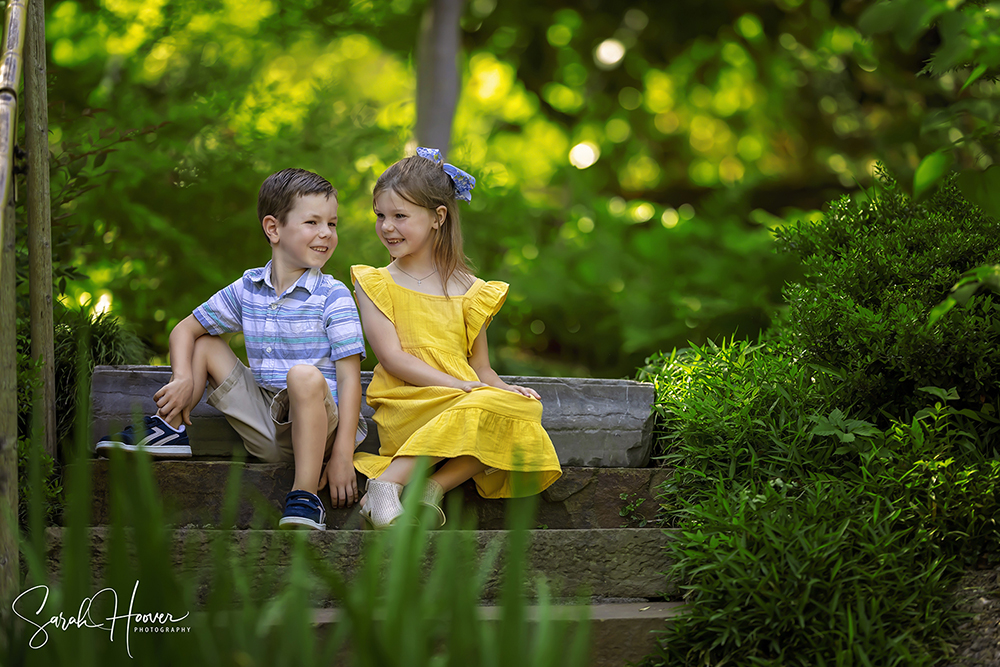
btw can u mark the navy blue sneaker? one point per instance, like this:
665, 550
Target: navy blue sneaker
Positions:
303, 510
156, 437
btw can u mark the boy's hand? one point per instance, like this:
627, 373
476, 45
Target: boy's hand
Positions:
174, 398
339, 473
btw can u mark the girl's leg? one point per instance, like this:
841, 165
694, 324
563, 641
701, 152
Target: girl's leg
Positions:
451, 474
457, 470
401, 469
307, 390
211, 361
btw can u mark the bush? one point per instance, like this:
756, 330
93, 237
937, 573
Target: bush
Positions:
740, 412
874, 271
804, 574
826, 477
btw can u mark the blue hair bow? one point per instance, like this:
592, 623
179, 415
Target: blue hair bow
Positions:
462, 181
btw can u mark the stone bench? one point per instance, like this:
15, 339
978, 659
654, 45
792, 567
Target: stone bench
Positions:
592, 422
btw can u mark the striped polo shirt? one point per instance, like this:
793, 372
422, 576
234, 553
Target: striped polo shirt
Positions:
314, 322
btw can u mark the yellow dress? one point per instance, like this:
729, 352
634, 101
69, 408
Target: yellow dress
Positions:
500, 428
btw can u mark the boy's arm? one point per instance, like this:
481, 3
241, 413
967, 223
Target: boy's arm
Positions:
174, 398
340, 470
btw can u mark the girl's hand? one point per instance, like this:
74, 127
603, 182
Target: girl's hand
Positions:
524, 391
469, 385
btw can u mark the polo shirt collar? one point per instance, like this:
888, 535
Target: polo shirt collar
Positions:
308, 281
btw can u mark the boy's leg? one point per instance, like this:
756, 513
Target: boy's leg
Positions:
307, 390
212, 361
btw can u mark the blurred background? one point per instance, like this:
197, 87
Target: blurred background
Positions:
633, 158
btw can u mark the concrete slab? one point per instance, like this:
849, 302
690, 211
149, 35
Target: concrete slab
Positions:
592, 422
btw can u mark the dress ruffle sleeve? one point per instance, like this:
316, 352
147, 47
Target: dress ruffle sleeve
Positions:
481, 307
373, 285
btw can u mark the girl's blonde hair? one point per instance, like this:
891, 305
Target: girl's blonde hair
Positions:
424, 183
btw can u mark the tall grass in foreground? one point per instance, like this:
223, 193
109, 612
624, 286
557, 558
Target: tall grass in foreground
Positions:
248, 598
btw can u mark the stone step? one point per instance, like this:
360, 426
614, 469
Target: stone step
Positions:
605, 563
592, 422
620, 632
194, 492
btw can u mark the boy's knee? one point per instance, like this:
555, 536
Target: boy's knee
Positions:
305, 378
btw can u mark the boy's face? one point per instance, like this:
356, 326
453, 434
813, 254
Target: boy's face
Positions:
308, 237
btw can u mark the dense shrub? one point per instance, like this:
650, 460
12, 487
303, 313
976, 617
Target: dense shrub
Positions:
874, 271
828, 479
804, 574
739, 411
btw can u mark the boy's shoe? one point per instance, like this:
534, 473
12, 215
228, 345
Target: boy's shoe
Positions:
303, 510
155, 437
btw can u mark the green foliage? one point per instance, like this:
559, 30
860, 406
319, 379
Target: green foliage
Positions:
968, 49
105, 340
804, 573
739, 412
828, 479
875, 270
945, 483
711, 128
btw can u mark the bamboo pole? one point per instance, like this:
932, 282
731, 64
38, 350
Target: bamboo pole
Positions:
36, 131
10, 70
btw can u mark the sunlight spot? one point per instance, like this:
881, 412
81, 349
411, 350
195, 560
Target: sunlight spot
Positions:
609, 53
669, 219
103, 304
584, 154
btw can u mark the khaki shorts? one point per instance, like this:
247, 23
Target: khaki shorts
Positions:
260, 416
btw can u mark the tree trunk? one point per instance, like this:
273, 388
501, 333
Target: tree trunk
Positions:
36, 112
437, 73
9, 554
9, 76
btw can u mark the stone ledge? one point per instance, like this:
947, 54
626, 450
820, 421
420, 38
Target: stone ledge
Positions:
194, 492
620, 632
592, 422
605, 563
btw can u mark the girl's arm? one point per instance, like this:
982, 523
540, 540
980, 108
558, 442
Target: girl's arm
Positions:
397, 362
480, 362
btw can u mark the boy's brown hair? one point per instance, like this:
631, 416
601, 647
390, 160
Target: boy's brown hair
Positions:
278, 192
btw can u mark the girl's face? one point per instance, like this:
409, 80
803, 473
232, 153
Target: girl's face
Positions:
405, 229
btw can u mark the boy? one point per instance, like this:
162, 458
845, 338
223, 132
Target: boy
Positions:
304, 344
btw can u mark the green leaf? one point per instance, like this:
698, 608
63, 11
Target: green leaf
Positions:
982, 188
930, 171
940, 310
943, 394
962, 294
881, 17
976, 73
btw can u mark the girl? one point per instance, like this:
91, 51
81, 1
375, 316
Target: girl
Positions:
434, 392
